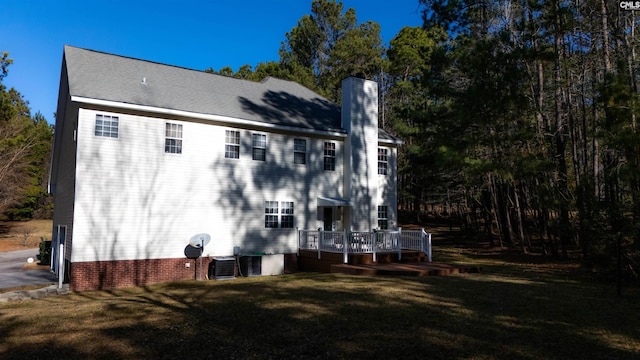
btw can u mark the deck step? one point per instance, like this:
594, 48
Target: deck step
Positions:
413, 259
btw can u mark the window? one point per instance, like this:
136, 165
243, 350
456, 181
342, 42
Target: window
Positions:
383, 218
106, 126
330, 156
270, 214
173, 138
383, 161
299, 151
275, 219
232, 144
286, 219
259, 143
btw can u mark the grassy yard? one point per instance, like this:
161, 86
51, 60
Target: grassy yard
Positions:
517, 308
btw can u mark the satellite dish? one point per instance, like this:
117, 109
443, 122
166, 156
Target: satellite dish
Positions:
196, 247
192, 252
199, 240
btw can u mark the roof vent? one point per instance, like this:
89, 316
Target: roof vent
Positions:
144, 81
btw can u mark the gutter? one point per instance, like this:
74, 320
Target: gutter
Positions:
194, 115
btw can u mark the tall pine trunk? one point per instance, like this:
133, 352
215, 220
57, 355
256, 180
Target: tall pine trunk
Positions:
560, 142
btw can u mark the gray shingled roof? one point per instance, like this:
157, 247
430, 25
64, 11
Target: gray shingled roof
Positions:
103, 76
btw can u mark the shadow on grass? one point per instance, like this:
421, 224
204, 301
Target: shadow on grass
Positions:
489, 316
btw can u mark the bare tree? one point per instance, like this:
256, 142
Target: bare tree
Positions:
15, 148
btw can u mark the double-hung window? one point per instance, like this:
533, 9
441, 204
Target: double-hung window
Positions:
286, 217
300, 151
270, 214
383, 161
259, 143
106, 126
173, 138
330, 156
278, 214
232, 144
383, 217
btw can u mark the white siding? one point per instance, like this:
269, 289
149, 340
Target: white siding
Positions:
360, 119
387, 187
133, 201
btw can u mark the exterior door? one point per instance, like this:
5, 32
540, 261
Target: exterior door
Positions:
329, 223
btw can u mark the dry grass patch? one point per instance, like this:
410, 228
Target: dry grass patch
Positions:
519, 307
19, 235
475, 316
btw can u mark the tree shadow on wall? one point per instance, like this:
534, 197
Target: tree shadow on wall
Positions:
282, 108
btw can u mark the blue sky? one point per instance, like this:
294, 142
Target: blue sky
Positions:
186, 33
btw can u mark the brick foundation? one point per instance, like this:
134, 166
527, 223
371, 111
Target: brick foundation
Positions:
104, 275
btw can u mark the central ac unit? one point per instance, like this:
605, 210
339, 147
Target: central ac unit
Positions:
223, 268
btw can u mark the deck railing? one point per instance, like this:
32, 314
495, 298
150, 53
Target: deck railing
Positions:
358, 242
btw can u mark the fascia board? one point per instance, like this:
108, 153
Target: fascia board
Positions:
220, 118
390, 142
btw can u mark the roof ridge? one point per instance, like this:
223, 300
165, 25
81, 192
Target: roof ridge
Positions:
93, 74
264, 80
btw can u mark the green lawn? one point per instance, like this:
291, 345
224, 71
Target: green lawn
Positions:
516, 308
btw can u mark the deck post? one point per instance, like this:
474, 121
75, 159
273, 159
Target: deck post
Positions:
429, 246
424, 249
399, 243
374, 241
320, 241
298, 231
345, 251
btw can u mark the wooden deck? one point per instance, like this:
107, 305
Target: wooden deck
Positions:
411, 263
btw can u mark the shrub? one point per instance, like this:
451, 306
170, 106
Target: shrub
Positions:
45, 251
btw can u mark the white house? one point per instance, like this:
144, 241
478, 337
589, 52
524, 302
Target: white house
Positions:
148, 155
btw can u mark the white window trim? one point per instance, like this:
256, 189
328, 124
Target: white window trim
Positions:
386, 219
231, 144
306, 151
110, 116
181, 138
386, 161
325, 156
278, 213
266, 146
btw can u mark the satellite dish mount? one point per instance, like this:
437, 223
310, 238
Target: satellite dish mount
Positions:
198, 242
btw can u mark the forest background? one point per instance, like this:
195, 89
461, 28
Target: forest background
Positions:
519, 119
